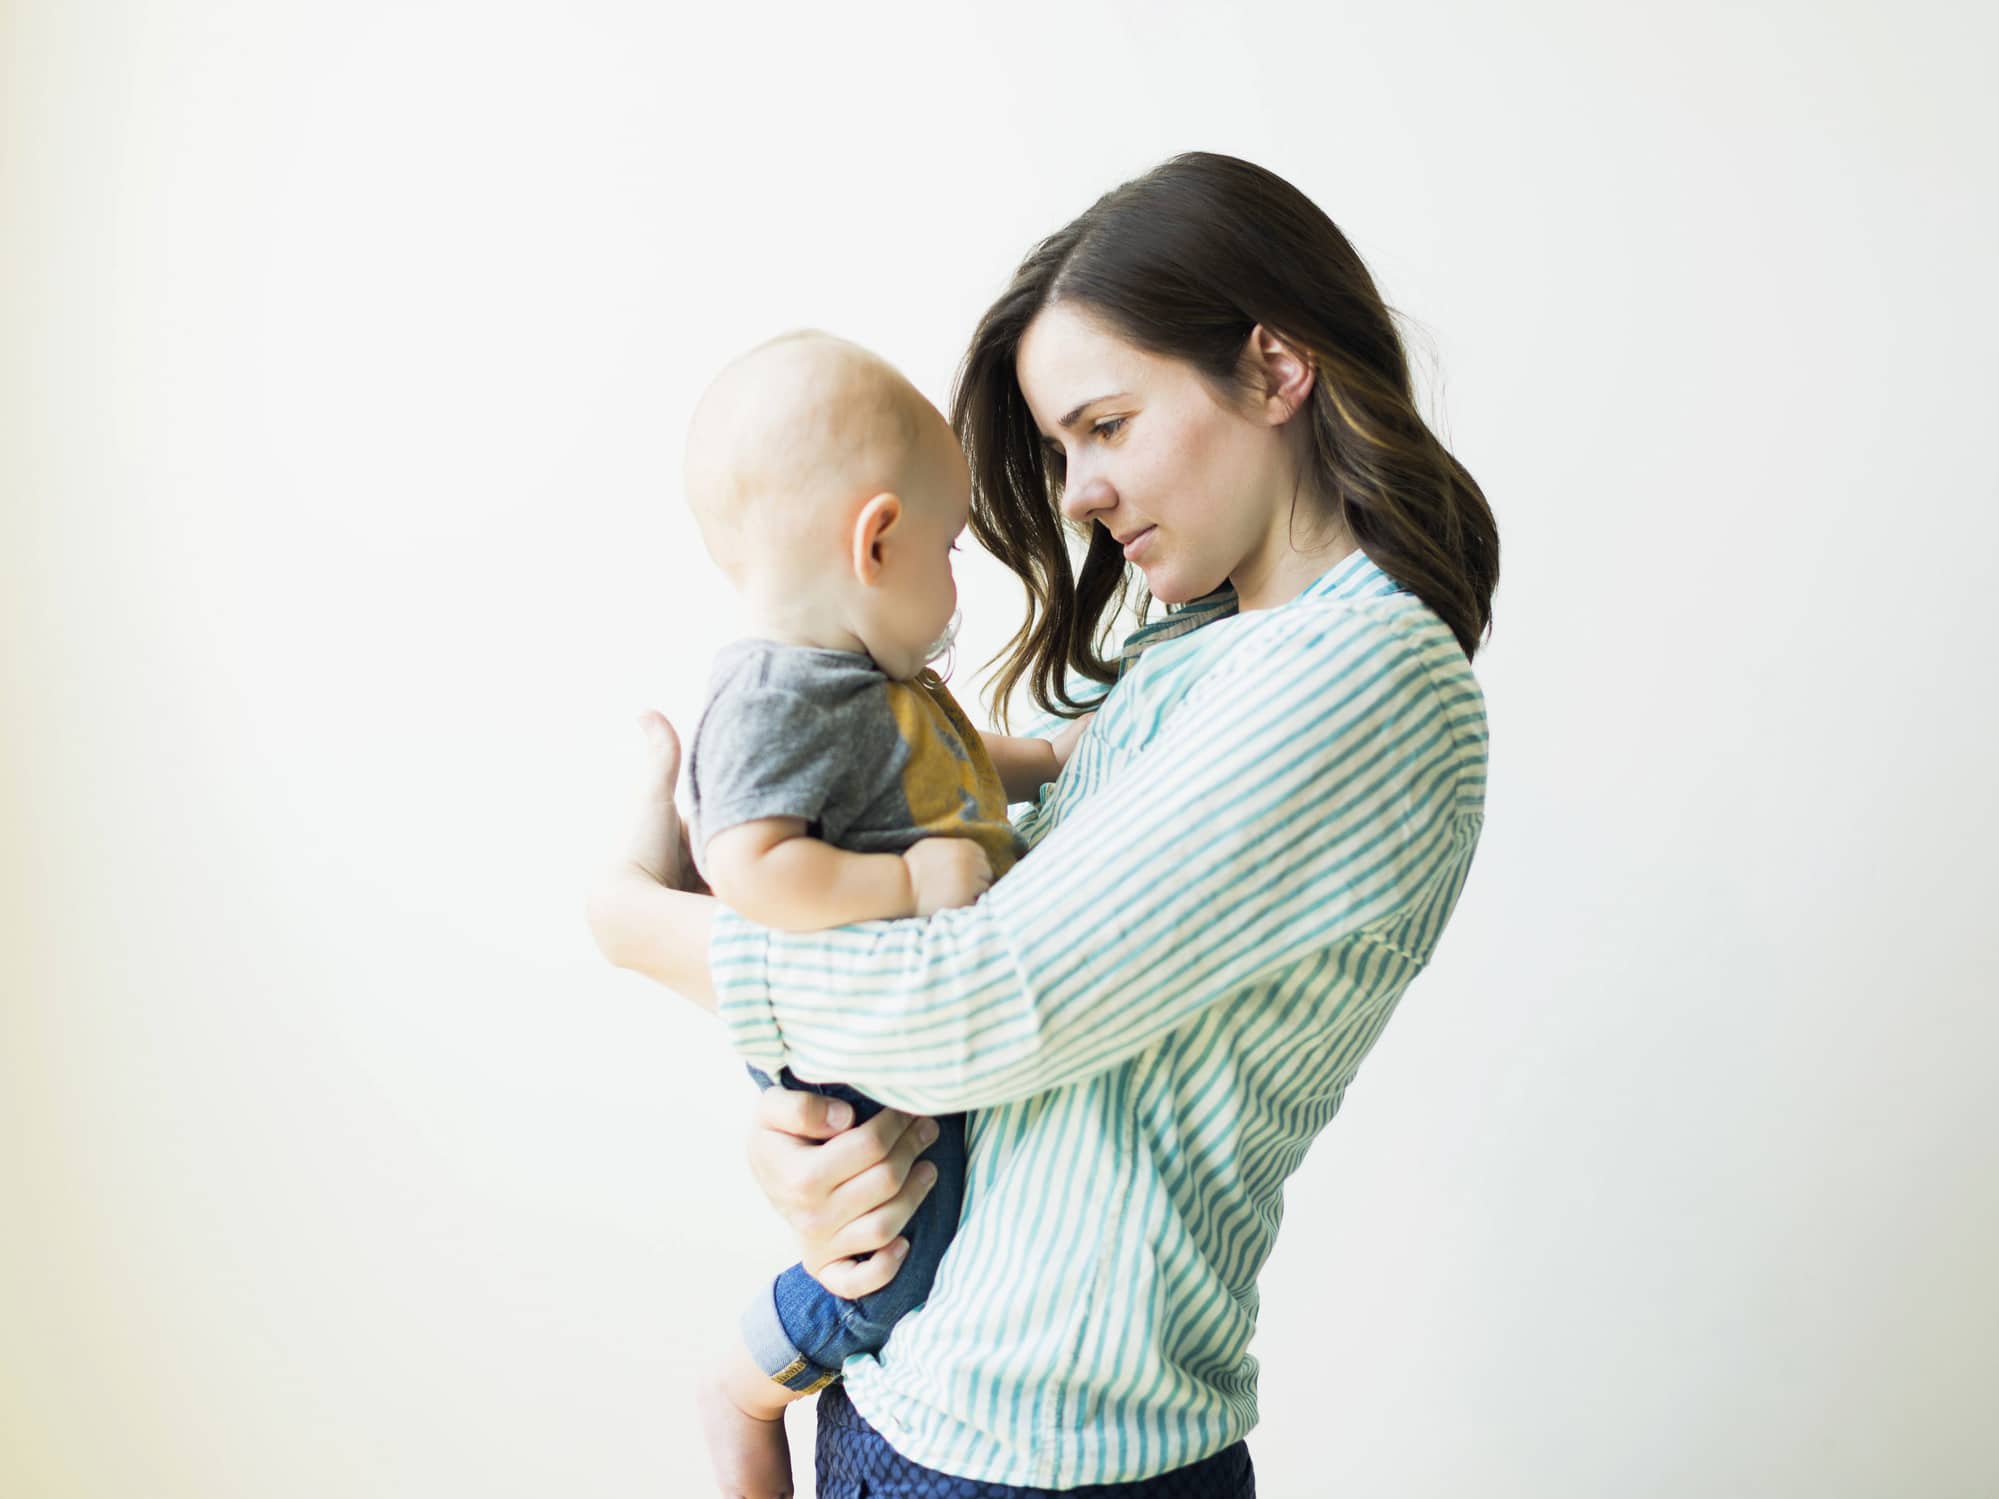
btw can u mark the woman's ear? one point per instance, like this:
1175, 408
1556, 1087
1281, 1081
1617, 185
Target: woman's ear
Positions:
875, 520
1284, 370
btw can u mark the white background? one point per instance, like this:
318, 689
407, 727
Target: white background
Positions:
347, 353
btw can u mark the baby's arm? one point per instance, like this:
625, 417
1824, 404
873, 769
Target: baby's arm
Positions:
1026, 765
770, 872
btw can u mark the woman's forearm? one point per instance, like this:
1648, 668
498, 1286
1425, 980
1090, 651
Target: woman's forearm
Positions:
641, 925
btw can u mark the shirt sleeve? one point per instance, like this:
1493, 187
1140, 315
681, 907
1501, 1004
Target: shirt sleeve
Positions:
1298, 793
765, 752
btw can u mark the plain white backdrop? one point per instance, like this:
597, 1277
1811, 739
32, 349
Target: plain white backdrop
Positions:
347, 353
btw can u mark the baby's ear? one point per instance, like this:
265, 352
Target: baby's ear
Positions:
874, 521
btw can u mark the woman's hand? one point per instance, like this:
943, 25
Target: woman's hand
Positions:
659, 842
650, 911
845, 1189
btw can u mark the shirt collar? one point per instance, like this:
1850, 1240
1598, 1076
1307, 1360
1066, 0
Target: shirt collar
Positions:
1354, 576
1181, 619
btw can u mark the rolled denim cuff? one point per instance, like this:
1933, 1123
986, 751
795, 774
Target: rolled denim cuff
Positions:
771, 1347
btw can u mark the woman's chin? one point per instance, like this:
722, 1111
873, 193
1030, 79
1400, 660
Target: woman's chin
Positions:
1168, 586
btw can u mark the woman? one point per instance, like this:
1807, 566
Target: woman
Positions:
1254, 848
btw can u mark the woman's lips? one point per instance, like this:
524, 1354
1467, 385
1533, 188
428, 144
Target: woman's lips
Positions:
1137, 544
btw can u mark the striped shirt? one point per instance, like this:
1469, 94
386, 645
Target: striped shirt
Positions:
1252, 851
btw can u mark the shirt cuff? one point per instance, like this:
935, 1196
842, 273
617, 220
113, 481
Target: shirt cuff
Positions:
739, 967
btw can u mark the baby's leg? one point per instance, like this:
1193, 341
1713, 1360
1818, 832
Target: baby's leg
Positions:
742, 1421
802, 1333
798, 1334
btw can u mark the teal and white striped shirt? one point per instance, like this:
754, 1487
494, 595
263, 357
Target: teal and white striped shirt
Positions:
1251, 853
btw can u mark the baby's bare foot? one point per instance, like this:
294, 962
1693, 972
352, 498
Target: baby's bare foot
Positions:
742, 1421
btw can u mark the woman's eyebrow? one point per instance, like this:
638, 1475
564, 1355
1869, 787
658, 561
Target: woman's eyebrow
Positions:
1070, 420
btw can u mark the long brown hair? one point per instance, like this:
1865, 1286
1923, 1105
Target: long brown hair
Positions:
1184, 262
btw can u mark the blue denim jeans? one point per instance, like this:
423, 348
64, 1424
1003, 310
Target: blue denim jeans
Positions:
801, 1332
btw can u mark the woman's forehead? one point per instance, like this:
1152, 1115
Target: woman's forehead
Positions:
1069, 359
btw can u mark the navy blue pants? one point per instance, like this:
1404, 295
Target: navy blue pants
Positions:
854, 1461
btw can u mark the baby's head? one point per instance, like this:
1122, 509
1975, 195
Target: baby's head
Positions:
831, 493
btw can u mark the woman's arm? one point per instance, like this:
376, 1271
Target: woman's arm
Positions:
651, 911
1305, 787
664, 934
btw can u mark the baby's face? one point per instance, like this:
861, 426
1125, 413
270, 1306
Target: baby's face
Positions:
918, 595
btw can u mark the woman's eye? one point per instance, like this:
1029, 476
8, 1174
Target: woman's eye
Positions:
1110, 426
954, 546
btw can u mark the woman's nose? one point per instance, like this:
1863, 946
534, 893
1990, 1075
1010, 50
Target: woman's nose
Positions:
1084, 496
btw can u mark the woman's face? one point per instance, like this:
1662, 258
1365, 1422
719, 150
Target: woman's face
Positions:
1191, 486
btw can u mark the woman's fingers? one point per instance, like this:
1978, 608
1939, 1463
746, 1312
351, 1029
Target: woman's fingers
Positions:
878, 1228
878, 1185
866, 1145
854, 1279
659, 842
809, 1116
846, 1190
662, 744
877, 1235
821, 1179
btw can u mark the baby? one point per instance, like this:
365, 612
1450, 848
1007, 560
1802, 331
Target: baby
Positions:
833, 778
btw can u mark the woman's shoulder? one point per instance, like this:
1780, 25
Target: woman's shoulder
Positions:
1377, 625
1315, 637
1381, 663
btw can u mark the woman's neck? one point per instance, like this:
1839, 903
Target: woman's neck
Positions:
1278, 572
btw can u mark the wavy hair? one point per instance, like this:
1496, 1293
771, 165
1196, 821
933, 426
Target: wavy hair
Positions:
1183, 262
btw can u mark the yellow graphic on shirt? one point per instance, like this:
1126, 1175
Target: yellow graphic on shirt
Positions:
950, 784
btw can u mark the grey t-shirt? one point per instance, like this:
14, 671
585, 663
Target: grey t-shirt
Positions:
870, 763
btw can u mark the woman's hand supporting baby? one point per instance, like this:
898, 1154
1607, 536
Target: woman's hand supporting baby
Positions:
846, 1189
651, 911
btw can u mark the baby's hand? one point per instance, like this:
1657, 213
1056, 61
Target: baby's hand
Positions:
947, 872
